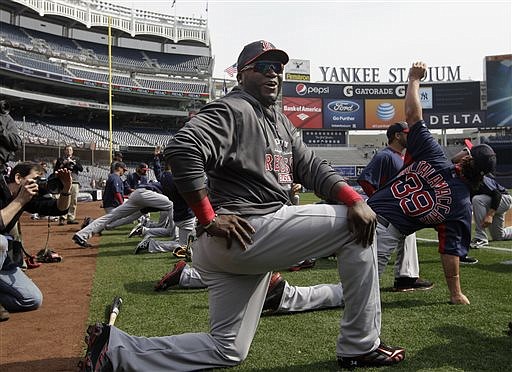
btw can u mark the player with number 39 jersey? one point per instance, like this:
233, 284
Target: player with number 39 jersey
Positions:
427, 193
430, 191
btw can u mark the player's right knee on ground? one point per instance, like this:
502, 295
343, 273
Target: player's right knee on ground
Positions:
229, 351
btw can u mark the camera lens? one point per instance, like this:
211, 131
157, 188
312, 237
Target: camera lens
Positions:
54, 186
5, 107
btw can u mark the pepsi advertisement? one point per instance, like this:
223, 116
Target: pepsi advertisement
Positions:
311, 90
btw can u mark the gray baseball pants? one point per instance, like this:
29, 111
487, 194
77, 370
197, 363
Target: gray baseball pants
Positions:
481, 204
389, 239
295, 298
237, 283
185, 228
406, 262
127, 212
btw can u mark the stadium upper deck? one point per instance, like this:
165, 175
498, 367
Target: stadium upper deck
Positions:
152, 54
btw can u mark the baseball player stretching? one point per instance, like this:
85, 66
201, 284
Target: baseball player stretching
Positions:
384, 165
146, 198
490, 203
252, 154
431, 191
182, 217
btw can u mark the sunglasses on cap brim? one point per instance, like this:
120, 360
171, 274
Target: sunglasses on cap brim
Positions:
264, 67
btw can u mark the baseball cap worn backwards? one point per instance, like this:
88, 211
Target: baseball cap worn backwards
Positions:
484, 159
397, 128
260, 50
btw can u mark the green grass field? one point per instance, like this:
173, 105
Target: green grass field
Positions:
438, 336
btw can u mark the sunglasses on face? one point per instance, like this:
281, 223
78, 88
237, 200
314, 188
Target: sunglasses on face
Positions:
264, 67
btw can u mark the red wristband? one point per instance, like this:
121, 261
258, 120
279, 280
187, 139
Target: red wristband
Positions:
119, 197
347, 195
204, 211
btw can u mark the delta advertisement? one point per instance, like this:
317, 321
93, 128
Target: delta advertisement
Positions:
377, 106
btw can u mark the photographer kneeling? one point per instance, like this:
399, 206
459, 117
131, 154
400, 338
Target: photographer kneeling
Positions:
24, 190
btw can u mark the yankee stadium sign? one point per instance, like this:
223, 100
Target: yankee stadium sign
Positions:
393, 75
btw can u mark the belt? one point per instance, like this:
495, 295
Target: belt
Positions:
383, 221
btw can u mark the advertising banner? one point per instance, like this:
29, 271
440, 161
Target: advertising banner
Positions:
311, 90
345, 170
303, 112
365, 106
464, 119
381, 113
341, 113
456, 96
323, 137
298, 69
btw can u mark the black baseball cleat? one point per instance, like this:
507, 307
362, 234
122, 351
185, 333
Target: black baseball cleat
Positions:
274, 293
137, 230
96, 359
467, 260
308, 263
406, 284
381, 356
143, 246
172, 277
87, 222
81, 242
478, 243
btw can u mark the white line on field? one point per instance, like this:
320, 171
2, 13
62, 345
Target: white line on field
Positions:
485, 247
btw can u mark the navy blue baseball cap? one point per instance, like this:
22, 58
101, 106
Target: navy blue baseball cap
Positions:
260, 50
120, 164
484, 159
401, 126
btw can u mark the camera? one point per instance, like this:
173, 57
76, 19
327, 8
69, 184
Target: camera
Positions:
51, 185
5, 107
69, 164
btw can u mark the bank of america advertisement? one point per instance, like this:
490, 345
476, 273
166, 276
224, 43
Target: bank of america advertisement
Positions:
303, 112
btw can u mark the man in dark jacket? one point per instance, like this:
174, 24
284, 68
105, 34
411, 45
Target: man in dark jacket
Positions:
252, 155
21, 192
72, 163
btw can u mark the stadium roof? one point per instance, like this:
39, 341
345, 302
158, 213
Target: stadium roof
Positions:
135, 22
